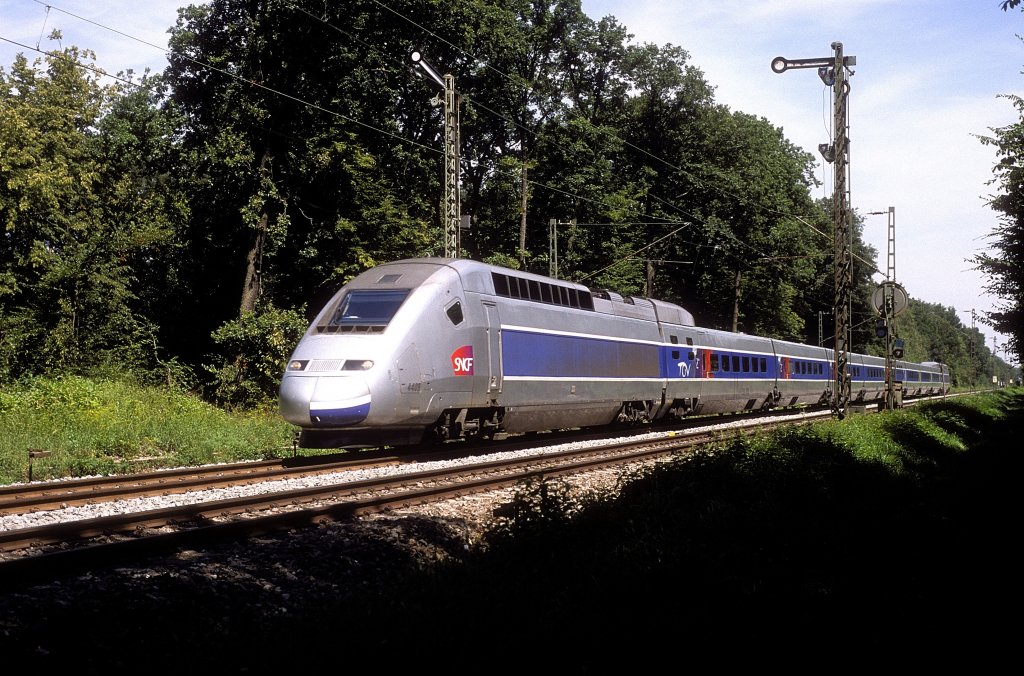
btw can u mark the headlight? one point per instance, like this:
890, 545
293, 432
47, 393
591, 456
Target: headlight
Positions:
357, 365
298, 364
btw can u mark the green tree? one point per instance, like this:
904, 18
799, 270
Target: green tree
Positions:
79, 225
292, 152
1005, 267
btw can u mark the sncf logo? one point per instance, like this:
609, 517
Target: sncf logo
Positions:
462, 361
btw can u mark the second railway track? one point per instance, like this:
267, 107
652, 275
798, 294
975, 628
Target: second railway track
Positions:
35, 553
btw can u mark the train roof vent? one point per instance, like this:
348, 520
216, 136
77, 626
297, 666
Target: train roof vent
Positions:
607, 294
351, 328
389, 279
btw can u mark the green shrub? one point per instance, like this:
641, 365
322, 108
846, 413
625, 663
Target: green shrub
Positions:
251, 357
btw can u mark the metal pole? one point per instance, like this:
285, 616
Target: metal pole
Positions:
843, 257
452, 207
890, 362
888, 310
553, 248
451, 217
833, 73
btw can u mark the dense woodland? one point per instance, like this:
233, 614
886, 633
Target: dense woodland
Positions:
182, 227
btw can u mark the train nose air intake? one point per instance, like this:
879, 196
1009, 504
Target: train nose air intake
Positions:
330, 402
339, 401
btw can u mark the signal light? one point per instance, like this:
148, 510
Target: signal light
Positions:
880, 328
897, 349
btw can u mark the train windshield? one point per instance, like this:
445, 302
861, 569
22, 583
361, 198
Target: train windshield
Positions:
363, 306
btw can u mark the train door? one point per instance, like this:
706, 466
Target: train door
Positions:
683, 366
694, 363
493, 329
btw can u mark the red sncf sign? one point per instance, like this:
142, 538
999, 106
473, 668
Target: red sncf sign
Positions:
462, 361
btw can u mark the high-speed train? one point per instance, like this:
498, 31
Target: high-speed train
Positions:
437, 349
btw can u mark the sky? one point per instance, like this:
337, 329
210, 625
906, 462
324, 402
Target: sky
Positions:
928, 81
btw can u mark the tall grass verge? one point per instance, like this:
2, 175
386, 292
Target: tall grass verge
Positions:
97, 426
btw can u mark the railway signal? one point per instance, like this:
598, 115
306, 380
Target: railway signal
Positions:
833, 72
451, 218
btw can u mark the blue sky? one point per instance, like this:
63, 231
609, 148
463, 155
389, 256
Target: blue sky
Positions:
927, 81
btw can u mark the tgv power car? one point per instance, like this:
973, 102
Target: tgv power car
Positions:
436, 349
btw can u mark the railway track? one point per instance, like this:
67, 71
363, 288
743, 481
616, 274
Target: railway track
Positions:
21, 498
40, 552
63, 493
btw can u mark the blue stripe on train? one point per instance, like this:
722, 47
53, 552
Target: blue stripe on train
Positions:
348, 415
557, 356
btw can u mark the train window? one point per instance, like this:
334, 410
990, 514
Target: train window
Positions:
574, 298
673, 340
675, 354
367, 307
764, 365
500, 284
534, 289
736, 363
714, 362
545, 293
746, 364
725, 362
454, 313
753, 364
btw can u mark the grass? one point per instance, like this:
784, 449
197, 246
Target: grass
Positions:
112, 427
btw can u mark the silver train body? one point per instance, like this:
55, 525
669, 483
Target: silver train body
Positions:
435, 349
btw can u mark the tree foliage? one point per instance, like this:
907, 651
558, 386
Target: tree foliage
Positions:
84, 215
1005, 267
198, 217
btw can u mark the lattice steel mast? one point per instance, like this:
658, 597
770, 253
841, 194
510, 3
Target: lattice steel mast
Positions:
451, 216
833, 72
